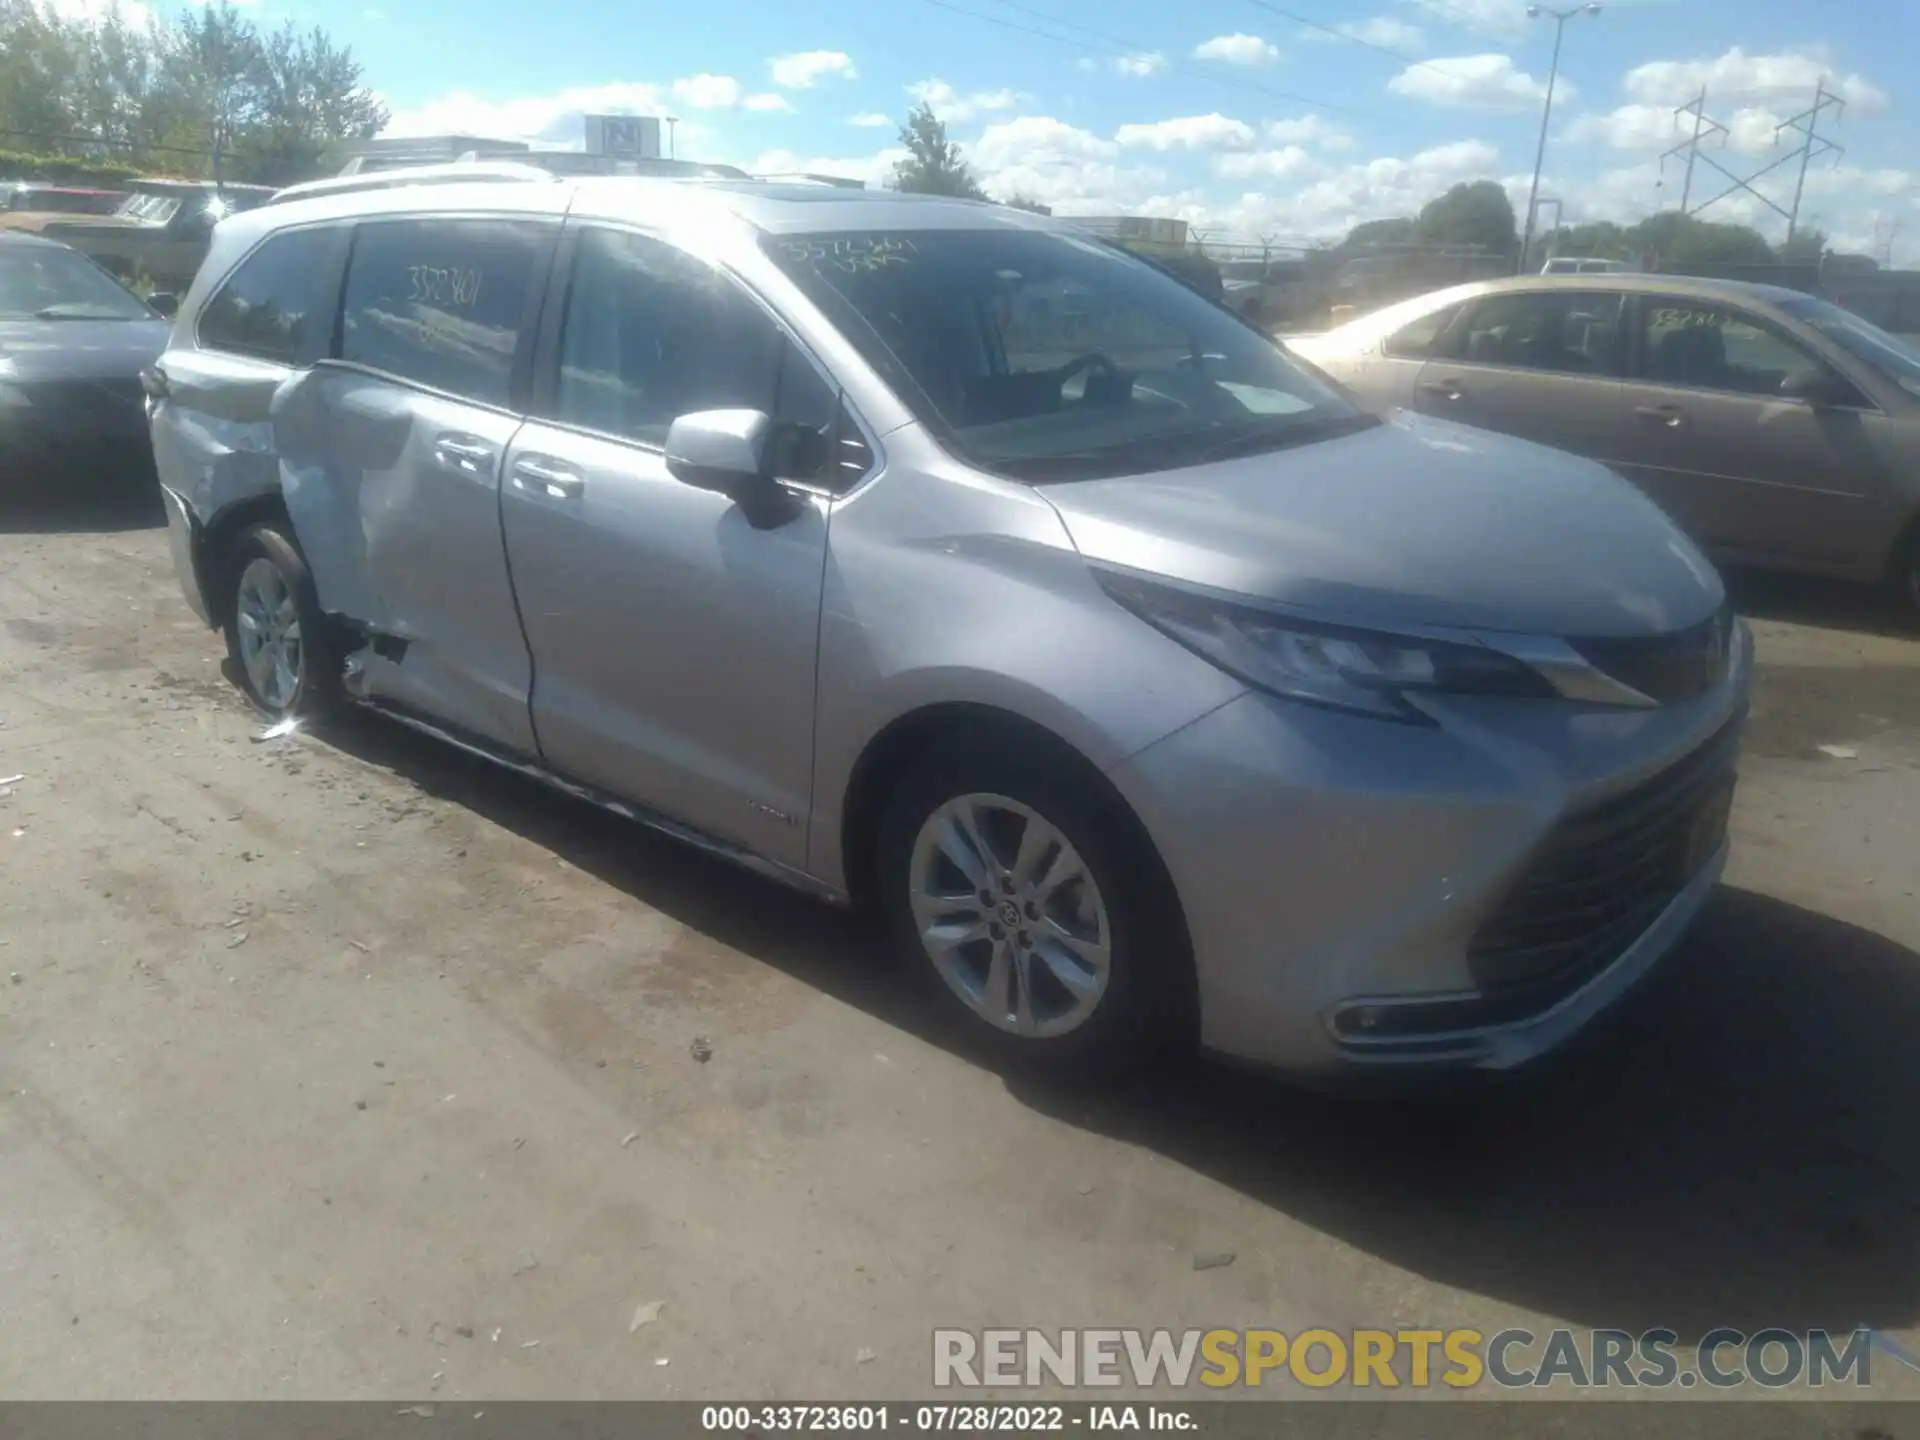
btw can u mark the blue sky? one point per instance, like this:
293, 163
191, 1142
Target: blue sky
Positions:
1238, 115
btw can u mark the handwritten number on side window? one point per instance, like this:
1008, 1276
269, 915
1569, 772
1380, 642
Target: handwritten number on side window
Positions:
443, 287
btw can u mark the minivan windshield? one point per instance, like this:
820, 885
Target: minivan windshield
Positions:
1049, 356
1890, 355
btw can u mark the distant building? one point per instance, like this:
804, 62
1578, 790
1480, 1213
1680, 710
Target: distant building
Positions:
400, 151
808, 177
1145, 229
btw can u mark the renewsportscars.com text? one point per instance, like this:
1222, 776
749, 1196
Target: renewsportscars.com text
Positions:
1391, 1359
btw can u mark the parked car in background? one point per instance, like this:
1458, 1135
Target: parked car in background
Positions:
1574, 265
925, 553
1778, 429
73, 342
63, 199
159, 231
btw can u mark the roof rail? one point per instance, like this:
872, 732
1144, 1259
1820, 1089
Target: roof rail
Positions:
458, 173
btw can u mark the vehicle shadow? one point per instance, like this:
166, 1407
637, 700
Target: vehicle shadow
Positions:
1815, 600
1739, 1145
56, 498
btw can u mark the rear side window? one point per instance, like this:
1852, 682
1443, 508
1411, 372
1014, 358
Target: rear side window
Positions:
442, 303
279, 304
1553, 330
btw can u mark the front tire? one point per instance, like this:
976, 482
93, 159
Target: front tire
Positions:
277, 636
1028, 904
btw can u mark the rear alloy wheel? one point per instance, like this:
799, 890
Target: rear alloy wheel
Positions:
276, 634
1028, 904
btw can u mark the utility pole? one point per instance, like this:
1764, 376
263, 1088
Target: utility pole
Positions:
673, 124
1559, 18
1821, 99
1812, 145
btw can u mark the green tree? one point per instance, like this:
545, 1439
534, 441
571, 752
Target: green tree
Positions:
934, 164
1678, 240
1397, 231
1806, 247
168, 94
1472, 213
308, 98
1028, 203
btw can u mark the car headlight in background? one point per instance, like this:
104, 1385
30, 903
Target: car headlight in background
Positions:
1365, 671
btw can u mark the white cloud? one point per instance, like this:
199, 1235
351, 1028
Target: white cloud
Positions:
766, 101
870, 120
1149, 62
1331, 202
1270, 164
1310, 130
1238, 50
136, 15
1382, 30
1736, 75
875, 169
1751, 131
807, 68
1505, 19
1074, 171
956, 109
707, 92
1476, 82
556, 119
1189, 132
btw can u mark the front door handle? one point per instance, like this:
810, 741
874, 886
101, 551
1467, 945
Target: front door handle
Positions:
1672, 416
1445, 389
465, 453
554, 478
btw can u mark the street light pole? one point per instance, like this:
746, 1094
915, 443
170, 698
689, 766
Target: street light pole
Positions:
1559, 18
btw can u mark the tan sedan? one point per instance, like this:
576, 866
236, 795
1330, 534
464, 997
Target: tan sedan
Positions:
1779, 430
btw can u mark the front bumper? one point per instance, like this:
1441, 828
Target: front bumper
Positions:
1331, 866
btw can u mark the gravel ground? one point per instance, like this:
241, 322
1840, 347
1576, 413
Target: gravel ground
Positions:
345, 1066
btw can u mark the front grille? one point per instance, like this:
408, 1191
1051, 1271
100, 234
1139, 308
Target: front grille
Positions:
1602, 877
1667, 668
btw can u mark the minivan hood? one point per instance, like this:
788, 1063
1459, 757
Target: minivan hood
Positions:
1411, 522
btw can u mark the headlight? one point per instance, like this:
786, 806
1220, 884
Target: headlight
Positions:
1345, 669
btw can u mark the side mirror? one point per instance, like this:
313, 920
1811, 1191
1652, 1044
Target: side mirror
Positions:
719, 450
725, 451
164, 303
1817, 388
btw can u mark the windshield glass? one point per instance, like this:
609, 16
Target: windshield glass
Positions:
41, 282
1047, 356
1888, 354
151, 209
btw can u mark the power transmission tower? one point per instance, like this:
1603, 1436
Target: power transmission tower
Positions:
1812, 146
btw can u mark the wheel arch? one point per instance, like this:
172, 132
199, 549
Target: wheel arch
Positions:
904, 740
213, 555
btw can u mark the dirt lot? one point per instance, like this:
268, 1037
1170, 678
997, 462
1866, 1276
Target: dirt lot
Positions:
343, 1066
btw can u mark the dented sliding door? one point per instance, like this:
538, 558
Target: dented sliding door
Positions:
391, 465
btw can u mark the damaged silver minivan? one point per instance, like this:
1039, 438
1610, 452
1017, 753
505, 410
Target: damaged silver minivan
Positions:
939, 555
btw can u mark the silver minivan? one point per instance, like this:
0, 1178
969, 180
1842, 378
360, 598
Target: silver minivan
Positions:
940, 557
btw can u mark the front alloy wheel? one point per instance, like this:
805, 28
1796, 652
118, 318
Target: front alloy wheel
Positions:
1010, 916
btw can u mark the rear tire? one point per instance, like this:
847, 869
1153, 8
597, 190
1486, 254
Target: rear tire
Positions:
278, 638
1060, 946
